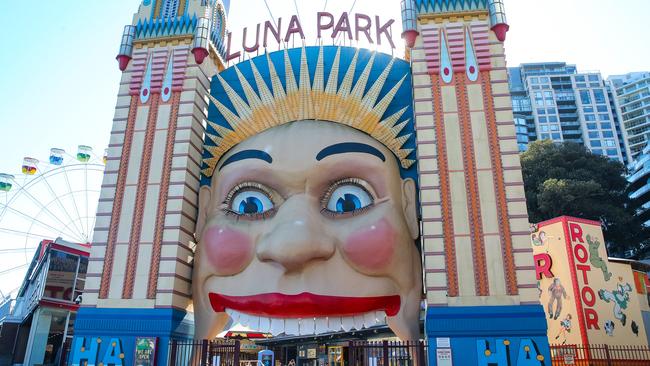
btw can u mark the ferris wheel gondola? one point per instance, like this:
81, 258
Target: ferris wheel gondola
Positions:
49, 199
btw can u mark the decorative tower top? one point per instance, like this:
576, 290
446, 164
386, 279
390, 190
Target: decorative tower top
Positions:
411, 9
204, 21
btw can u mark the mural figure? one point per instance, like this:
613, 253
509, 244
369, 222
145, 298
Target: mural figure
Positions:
595, 259
620, 297
565, 328
557, 292
635, 328
308, 213
609, 328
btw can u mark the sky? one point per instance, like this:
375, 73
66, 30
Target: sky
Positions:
59, 77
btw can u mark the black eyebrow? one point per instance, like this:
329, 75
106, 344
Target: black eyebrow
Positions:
349, 147
248, 154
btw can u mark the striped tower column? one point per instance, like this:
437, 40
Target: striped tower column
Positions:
480, 280
139, 272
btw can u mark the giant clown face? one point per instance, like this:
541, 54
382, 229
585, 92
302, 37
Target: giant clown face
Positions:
307, 228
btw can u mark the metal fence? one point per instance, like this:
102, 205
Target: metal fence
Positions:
600, 355
358, 353
204, 353
385, 353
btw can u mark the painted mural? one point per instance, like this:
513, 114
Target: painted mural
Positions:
590, 299
310, 189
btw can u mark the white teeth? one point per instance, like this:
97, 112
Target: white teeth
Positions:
321, 325
254, 322
265, 325
277, 326
369, 319
234, 315
291, 327
244, 320
307, 326
381, 317
347, 323
358, 322
334, 323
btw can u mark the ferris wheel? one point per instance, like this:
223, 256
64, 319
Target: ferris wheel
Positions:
50, 199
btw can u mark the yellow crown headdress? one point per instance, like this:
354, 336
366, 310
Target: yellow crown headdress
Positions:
349, 102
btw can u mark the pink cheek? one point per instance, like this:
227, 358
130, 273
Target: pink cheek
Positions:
229, 251
372, 248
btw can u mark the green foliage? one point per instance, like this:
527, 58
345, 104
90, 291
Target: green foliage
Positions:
567, 179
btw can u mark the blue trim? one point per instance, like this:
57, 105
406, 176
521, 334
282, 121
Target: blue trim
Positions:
127, 324
473, 329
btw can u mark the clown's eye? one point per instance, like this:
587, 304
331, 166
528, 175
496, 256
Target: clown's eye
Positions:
250, 202
347, 198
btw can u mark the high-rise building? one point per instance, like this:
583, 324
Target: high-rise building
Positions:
633, 97
565, 105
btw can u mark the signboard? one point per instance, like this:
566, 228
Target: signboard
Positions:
569, 360
145, 351
443, 357
443, 343
587, 297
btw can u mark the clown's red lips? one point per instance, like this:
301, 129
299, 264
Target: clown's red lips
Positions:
304, 305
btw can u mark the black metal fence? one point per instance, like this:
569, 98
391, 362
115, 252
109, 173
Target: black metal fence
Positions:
600, 355
358, 353
204, 353
385, 353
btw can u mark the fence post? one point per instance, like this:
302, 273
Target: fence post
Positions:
172, 353
385, 349
420, 353
204, 352
236, 356
609, 359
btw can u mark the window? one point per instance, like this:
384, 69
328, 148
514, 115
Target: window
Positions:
554, 128
610, 143
604, 117
612, 152
580, 78
593, 78
551, 111
170, 8
602, 108
588, 109
548, 94
599, 96
556, 136
543, 80
544, 128
585, 97
545, 136
534, 80
608, 134
552, 118
590, 117
541, 111
581, 85
606, 126
597, 151
542, 120
595, 143
592, 126
593, 135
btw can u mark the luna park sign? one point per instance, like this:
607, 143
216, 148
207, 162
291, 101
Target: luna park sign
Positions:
357, 27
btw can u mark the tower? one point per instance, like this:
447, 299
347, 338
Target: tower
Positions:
480, 282
139, 272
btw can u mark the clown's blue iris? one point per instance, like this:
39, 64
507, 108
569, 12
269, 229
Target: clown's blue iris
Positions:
250, 201
348, 198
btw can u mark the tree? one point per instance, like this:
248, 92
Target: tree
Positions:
567, 179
